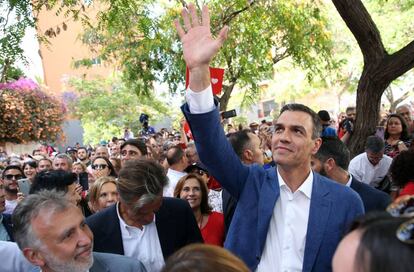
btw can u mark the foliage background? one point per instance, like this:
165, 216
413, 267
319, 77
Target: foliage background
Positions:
28, 114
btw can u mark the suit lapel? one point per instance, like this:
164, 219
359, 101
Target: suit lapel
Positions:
269, 193
164, 225
113, 232
318, 218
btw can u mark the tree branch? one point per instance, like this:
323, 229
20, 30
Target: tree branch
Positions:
359, 21
402, 98
398, 63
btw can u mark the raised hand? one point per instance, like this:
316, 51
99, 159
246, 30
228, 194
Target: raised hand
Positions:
199, 46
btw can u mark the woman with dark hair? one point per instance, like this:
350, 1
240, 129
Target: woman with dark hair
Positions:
396, 135
102, 167
193, 189
30, 171
204, 258
378, 243
402, 172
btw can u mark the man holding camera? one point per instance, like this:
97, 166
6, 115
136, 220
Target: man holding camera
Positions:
347, 126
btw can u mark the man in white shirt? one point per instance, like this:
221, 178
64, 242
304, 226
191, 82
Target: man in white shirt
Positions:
143, 224
177, 161
287, 218
371, 167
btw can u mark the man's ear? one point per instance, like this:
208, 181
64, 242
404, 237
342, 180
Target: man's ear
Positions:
329, 165
317, 144
35, 257
247, 156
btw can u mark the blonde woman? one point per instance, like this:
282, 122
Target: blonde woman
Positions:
103, 193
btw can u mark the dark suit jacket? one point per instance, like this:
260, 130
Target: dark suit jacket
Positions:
8, 225
373, 199
332, 207
229, 206
175, 223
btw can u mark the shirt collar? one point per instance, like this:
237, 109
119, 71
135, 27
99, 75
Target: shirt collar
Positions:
305, 188
123, 224
349, 181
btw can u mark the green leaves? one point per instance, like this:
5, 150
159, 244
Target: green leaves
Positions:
105, 107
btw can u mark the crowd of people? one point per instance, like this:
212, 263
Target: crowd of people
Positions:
277, 196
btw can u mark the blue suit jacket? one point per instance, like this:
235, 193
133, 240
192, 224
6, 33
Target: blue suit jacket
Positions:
175, 223
373, 199
333, 206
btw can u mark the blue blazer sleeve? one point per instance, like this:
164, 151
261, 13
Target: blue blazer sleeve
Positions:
215, 151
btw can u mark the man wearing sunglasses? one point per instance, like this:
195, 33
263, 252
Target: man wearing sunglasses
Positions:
10, 176
5, 219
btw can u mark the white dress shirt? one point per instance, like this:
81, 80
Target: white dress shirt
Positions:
285, 242
362, 169
286, 238
143, 245
173, 177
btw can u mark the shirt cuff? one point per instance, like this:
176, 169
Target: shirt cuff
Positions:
200, 102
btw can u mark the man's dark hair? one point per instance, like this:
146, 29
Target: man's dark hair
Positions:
141, 179
175, 154
333, 147
316, 121
82, 147
374, 144
404, 133
58, 180
380, 229
402, 168
351, 108
324, 115
9, 167
240, 140
138, 143
35, 150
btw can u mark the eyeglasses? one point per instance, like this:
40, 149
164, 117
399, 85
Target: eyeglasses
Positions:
405, 232
403, 207
10, 177
99, 166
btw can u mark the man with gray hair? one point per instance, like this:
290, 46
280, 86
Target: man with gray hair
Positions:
63, 246
371, 167
144, 225
406, 113
63, 162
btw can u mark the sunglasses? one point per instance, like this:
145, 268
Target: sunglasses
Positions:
403, 207
99, 166
405, 232
10, 177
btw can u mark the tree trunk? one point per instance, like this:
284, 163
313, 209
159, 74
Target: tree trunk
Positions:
380, 69
225, 97
367, 113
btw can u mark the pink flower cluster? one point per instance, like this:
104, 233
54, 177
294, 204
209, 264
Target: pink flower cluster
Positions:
22, 84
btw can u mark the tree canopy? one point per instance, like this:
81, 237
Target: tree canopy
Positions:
139, 37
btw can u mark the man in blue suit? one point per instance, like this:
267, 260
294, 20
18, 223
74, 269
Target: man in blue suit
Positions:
287, 218
332, 161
